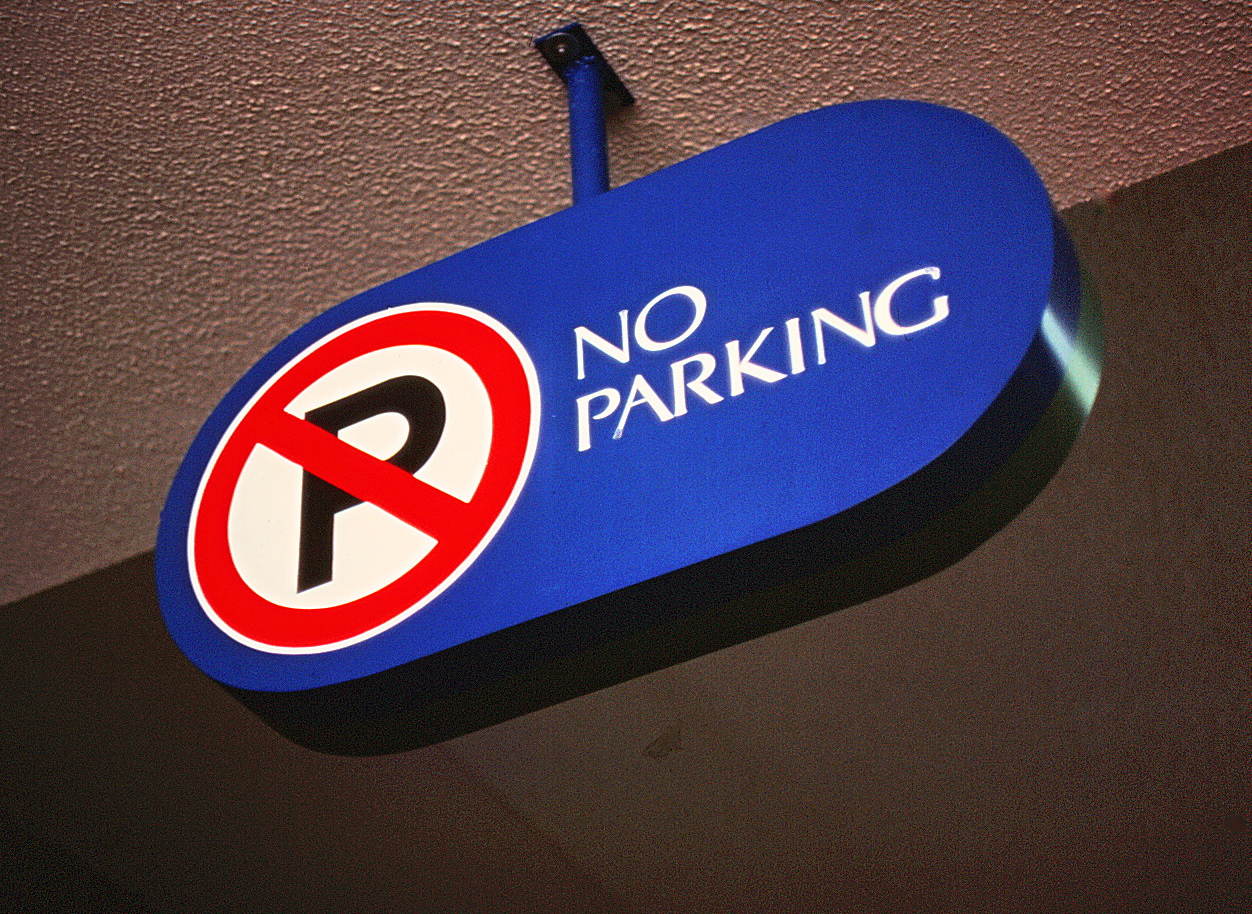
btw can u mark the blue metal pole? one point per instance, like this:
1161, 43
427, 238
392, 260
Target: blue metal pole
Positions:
589, 83
588, 141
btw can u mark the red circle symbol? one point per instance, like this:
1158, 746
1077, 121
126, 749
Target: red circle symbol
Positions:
459, 525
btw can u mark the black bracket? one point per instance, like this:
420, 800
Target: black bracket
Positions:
569, 44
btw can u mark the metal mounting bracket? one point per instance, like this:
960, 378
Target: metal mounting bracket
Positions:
590, 84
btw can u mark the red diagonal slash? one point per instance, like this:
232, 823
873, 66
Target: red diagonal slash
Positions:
363, 476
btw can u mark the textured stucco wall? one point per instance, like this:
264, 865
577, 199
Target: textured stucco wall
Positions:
184, 183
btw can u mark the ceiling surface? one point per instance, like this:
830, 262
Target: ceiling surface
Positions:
185, 183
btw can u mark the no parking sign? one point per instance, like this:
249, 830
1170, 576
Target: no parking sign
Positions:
784, 376
321, 520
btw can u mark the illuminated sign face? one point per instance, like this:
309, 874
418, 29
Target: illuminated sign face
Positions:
780, 377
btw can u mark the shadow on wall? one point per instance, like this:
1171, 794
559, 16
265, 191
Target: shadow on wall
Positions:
38, 874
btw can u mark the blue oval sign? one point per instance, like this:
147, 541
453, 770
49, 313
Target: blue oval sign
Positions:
782, 376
